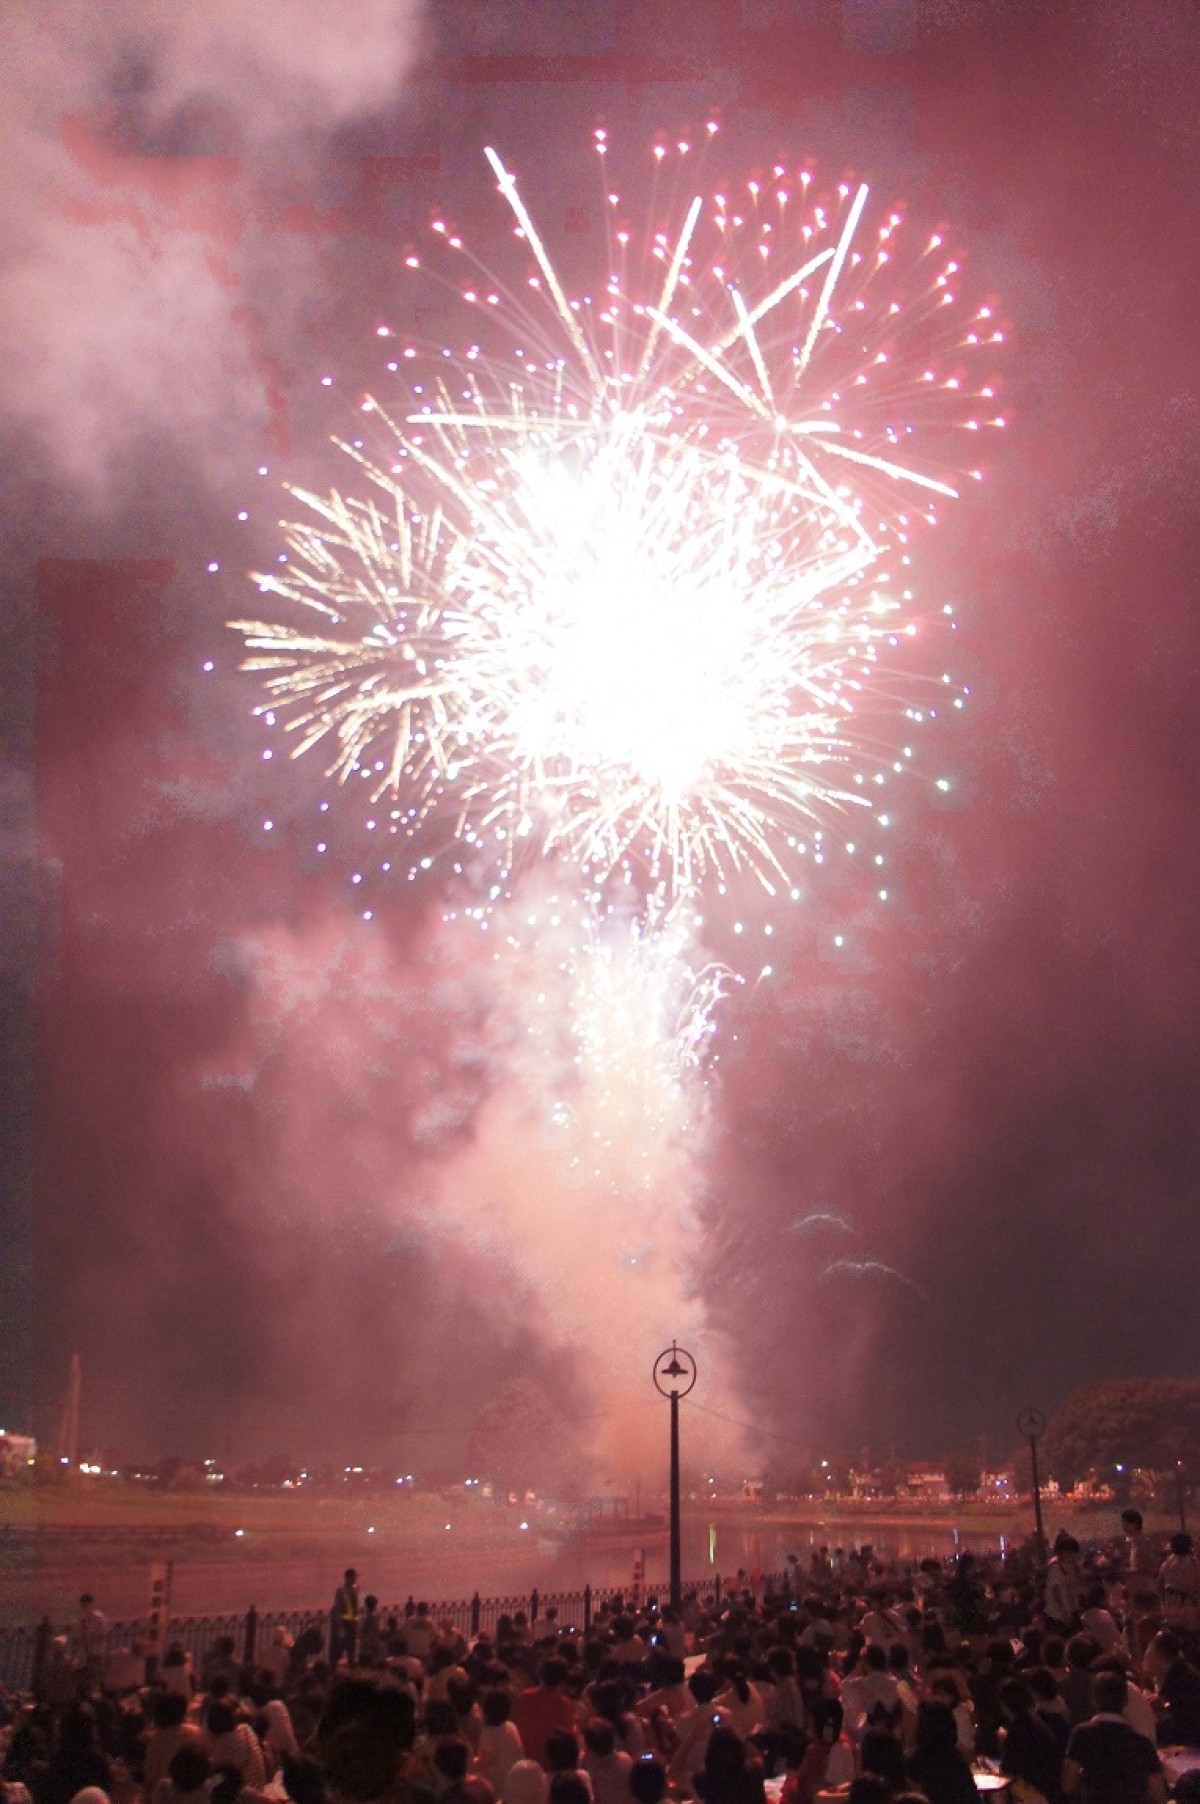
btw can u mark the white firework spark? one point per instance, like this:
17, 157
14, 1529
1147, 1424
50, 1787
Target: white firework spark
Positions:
626, 596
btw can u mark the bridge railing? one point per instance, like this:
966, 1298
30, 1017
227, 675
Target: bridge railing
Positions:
27, 1652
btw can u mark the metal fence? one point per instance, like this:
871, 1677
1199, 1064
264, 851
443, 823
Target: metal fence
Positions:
25, 1651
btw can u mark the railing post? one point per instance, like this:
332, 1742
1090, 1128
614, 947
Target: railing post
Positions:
533, 1606
251, 1640
717, 1590
476, 1607
587, 1608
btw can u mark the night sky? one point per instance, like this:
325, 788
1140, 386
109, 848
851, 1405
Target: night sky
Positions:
230, 1106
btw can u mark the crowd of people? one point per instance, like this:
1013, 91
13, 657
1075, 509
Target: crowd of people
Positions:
857, 1678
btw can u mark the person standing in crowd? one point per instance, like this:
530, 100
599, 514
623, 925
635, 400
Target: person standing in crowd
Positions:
344, 1620
1061, 1607
1179, 1586
88, 1641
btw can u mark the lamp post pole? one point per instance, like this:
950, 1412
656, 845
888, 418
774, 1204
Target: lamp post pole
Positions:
674, 1375
1032, 1424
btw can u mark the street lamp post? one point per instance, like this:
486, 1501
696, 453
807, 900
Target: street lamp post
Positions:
1032, 1424
674, 1376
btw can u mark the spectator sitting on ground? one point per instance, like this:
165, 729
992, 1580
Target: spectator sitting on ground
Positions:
1031, 1752
606, 1765
544, 1708
170, 1733
562, 1757
187, 1778
936, 1765
499, 1739
729, 1775
233, 1743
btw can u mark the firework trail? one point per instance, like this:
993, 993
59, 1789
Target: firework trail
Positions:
630, 571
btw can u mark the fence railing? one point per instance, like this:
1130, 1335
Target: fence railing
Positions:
25, 1651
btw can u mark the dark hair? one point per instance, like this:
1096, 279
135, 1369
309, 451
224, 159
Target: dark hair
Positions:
440, 1718
599, 1737
169, 1710
221, 1718
303, 1780
451, 1757
554, 1671
227, 1786
936, 1727
648, 1780
735, 1672
1110, 1691
569, 1788
1132, 1518
881, 1753
725, 1754
1181, 1546
562, 1750
1168, 1644
188, 1768
703, 1685
1017, 1695
496, 1705
367, 1724
1043, 1684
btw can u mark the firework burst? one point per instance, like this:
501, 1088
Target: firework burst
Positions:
630, 571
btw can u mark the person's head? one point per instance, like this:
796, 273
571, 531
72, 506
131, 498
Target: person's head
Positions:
725, 1754
440, 1718
227, 1785
599, 1737
525, 1784
303, 1780
1181, 1546
875, 1657
999, 1655
370, 1603
1066, 1548
451, 1758
1017, 1698
569, 1788
936, 1728
648, 1780
188, 1768
1081, 1651
86, 1601
367, 1727
882, 1754
562, 1751
897, 1657
496, 1705
170, 1708
221, 1718
350, 1576
554, 1673
1043, 1685
1110, 1691
703, 1685
1131, 1521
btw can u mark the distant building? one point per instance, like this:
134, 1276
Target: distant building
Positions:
16, 1451
926, 1481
